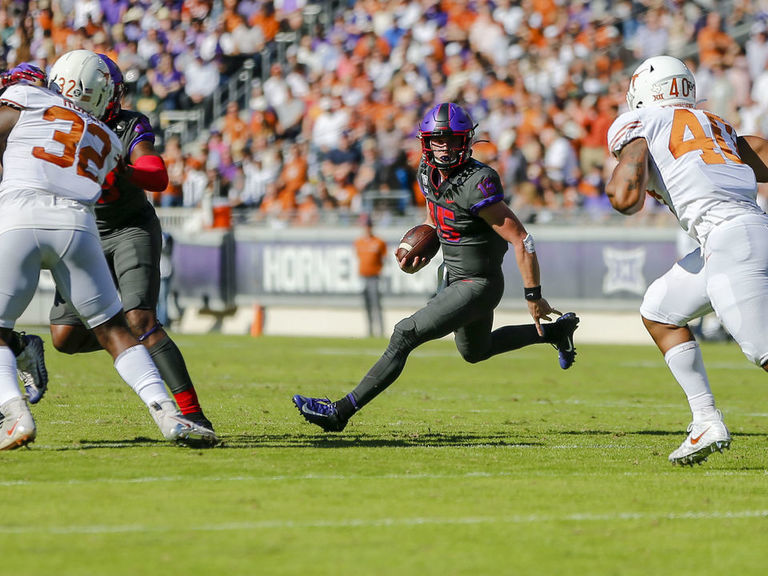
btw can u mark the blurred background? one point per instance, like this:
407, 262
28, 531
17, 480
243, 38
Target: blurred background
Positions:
284, 124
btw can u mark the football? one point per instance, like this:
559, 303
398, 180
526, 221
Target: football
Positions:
421, 241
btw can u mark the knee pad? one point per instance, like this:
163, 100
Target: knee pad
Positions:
404, 337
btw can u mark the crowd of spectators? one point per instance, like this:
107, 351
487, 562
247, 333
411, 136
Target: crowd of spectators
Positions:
330, 124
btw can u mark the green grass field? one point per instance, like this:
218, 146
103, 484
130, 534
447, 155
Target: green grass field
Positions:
512, 466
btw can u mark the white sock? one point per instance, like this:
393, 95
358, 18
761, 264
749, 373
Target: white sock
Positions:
9, 383
687, 366
135, 366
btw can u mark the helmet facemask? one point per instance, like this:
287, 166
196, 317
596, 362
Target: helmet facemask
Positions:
115, 103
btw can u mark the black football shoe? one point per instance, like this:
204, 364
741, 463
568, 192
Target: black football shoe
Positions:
321, 412
562, 330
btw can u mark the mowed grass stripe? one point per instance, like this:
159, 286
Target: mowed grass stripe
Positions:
391, 522
671, 471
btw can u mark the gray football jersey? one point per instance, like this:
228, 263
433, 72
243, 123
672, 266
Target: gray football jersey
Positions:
125, 202
470, 246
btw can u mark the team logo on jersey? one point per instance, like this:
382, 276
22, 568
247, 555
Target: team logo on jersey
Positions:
424, 183
487, 187
624, 271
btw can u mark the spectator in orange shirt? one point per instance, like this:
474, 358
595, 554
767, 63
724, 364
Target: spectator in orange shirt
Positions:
174, 162
712, 41
597, 123
293, 176
266, 19
234, 129
371, 251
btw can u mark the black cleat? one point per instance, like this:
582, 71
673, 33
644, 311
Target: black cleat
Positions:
320, 411
563, 329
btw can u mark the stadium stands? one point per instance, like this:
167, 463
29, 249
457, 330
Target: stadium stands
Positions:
296, 112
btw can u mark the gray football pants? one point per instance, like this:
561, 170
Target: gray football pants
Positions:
464, 307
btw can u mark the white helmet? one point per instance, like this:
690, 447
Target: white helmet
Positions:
661, 81
82, 77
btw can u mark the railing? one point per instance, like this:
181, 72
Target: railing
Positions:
189, 124
186, 124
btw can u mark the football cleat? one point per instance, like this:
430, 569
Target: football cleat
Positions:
320, 411
17, 427
177, 428
30, 366
704, 438
563, 328
199, 419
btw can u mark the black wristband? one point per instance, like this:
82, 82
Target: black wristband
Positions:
533, 293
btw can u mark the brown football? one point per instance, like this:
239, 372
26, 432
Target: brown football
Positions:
421, 241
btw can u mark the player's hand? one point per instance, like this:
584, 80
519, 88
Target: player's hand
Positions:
413, 265
541, 310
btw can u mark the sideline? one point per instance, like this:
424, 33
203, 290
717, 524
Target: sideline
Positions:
596, 327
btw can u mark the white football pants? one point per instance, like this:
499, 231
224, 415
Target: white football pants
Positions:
73, 255
731, 278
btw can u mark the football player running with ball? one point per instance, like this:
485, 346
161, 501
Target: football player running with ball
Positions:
465, 202
131, 238
693, 161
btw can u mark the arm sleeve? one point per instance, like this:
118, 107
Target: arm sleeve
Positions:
150, 173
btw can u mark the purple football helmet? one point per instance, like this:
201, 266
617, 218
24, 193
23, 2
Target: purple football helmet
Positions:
447, 119
113, 106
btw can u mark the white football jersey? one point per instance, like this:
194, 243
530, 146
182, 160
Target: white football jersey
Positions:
695, 165
56, 147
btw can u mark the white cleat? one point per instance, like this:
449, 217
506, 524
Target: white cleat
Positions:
17, 427
30, 366
704, 438
176, 428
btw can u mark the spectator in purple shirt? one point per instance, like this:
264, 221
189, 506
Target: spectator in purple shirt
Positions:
167, 82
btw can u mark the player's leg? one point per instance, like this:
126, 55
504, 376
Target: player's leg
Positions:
458, 303
737, 283
135, 256
30, 363
169, 362
507, 338
368, 297
83, 277
669, 304
476, 342
18, 281
68, 333
378, 314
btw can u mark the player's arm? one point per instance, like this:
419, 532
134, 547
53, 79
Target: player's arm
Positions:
507, 225
8, 118
629, 181
753, 150
147, 168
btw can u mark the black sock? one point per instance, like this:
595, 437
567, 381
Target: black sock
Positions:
345, 407
14, 343
509, 338
551, 332
170, 363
